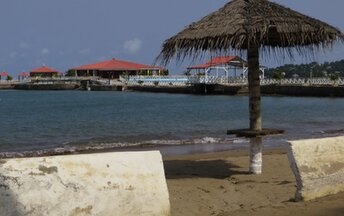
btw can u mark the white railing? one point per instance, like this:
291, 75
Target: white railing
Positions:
65, 80
156, 80
303, 81
179, 81
187, 80
9, 81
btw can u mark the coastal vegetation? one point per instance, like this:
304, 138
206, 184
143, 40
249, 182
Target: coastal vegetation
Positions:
333, 70
9, 78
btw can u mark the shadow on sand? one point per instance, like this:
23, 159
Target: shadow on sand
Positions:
8, 201
218, 169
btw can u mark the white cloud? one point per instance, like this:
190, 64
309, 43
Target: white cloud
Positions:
132, 46
45, 51
24, 45
85, 51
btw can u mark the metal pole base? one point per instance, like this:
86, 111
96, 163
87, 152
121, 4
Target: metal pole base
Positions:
256, 155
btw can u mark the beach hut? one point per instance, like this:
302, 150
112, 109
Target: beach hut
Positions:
3, 74
114, 68
45, 72
23, 75
252, 27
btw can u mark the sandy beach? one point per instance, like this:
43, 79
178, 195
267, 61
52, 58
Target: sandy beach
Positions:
219, 184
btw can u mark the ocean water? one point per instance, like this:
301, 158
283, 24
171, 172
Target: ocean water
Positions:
74, 120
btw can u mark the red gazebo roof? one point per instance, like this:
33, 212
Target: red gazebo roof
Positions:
216, 61
24, 74
4, 74
117, 65
44, 69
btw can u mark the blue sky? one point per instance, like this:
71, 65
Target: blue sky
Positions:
67, 33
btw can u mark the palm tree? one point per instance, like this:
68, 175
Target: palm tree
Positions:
251, 26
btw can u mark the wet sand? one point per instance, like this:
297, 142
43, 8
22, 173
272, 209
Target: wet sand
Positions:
219, 184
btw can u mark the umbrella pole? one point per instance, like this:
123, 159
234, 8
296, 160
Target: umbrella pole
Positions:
254, 108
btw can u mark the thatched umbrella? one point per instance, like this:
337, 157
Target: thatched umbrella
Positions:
251, 25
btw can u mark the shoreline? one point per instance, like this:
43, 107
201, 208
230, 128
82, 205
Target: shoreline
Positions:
231, 145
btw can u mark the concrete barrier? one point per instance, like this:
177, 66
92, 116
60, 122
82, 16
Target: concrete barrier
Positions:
318, 166
124, 183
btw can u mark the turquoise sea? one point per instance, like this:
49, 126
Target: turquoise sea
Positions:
177, 123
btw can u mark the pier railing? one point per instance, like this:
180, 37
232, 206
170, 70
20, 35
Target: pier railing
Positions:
177, 81
156, 80
65, 80
188, 80
303, 81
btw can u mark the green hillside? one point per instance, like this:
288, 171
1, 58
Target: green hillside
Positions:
314, 69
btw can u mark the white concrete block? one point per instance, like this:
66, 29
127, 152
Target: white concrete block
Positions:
318, 165
123, 183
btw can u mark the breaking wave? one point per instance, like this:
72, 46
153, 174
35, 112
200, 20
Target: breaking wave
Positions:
75, 148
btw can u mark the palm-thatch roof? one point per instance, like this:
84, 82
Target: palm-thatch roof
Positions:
241, 22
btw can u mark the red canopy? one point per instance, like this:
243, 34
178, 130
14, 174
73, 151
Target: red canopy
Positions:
215, 62
44, 69
117, 65
24, 74
4, 74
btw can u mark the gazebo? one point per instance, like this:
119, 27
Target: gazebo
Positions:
114, 68
45, 72
23, 75
3, 74
230, 65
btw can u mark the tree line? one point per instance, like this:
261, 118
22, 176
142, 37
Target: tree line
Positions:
312, 70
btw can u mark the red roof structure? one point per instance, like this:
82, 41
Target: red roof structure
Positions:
44, 69
217, 61
117, 65
4, 74
24, 74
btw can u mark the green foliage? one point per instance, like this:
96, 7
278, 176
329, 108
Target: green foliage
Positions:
164, 73
313, 69
9, 78
278, 75
187, 73
126, 74
200, 74
334, 76
70, 73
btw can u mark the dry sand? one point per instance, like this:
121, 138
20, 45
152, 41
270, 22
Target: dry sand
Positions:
218, 184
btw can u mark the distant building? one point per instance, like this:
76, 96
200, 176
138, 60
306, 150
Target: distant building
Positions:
45, 72
114, 68
23, 76
231, 66
3, 74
